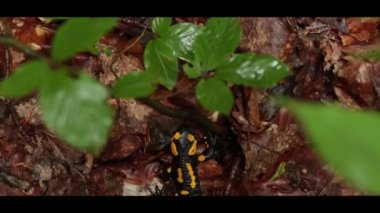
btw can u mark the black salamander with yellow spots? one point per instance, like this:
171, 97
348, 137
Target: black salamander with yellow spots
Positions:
183, 146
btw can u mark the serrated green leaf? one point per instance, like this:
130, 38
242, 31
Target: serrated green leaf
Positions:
214, 95
219, 39
134, 85
182, 36
79, 34
26, 79
75, 109
253, 70
161, 25
348, 140
159, 58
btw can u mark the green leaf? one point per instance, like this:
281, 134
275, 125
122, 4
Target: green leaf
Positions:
159, 58
107, 51
374, 54
79, 34
214, 95
26, 79
52, 19
161, 25
253, 70
349, 140
192, 72
134, 85
219, 39
279, 171
94, 50
182, 36
75, 109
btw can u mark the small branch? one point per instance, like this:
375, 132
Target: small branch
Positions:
134, 42
184, 115
6, 40
12, 42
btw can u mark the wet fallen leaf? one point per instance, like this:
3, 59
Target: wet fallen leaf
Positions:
209, 169
264, 35
122, 148
357, 75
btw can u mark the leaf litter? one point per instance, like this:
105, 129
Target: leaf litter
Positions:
267, 153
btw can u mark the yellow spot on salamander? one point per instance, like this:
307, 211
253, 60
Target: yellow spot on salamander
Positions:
169, 169
176, 194
201, 158
177, 135
190, 137
193, 148
180, 179
174, 149
193, 184
184, 192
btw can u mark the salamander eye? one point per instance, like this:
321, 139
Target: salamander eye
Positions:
193, 148
173, 148
177, 135
190, 137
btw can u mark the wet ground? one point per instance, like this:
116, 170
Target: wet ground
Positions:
265, 152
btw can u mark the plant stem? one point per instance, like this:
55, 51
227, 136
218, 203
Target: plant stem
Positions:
184, 115
12, 42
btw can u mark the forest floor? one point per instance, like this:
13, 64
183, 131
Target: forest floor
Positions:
264, 139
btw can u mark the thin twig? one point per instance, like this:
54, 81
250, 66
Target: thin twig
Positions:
135, 41
18, 45
184, 115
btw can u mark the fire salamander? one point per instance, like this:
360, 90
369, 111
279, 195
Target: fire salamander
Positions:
183, 146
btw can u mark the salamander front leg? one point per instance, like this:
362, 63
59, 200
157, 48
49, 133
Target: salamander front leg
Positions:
210, 142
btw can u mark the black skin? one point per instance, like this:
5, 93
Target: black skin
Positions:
183, 147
